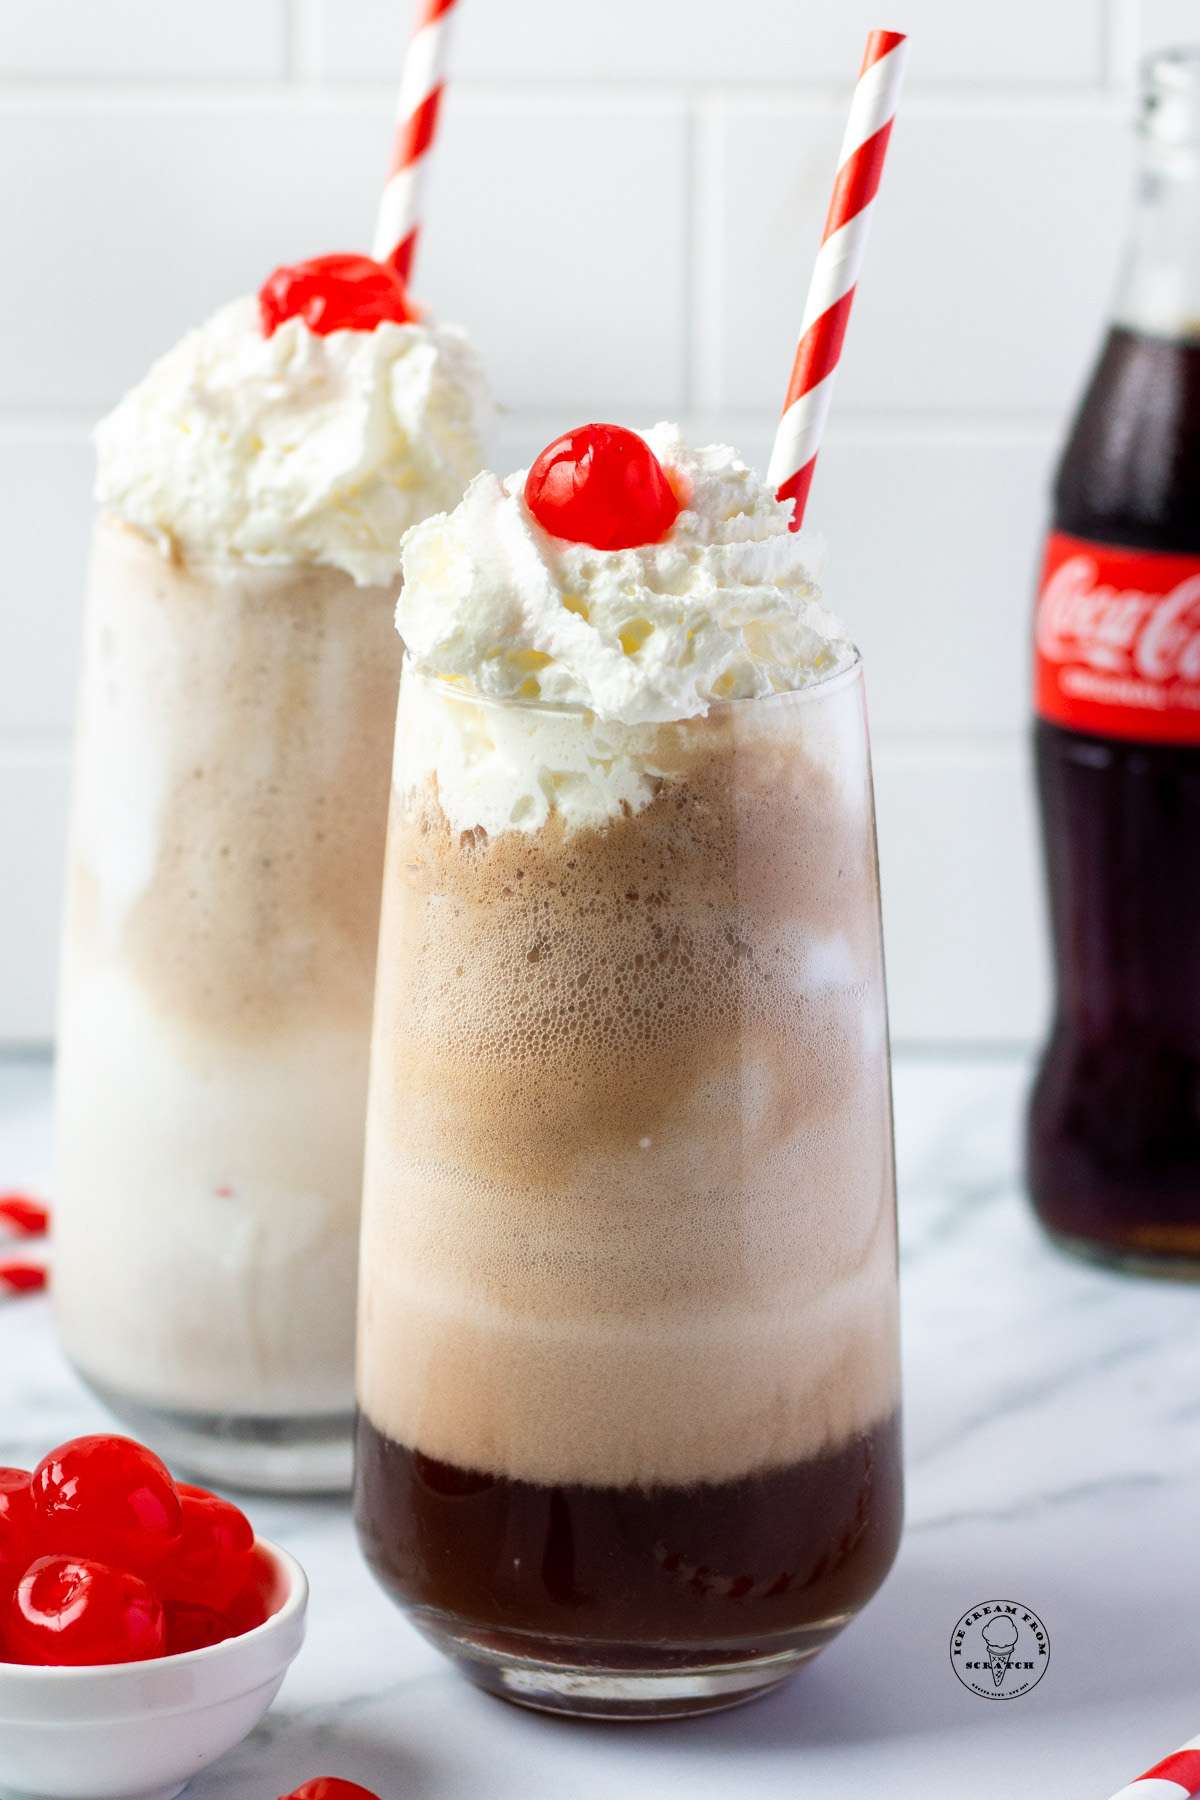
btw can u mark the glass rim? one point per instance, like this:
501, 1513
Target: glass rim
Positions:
460, 687
176, 555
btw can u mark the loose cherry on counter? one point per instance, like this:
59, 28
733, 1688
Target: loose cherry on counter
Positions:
329, 1787
107, 1498
22, 1216
334, 293
71, 1611
601, 485
212, 1559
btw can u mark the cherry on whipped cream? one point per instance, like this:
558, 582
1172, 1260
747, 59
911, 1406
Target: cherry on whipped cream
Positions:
72, 1611
107, 1498
601, 485
334, 293
213, 1558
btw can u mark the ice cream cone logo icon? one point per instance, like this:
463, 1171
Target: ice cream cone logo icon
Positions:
1000, 1636
999, 1649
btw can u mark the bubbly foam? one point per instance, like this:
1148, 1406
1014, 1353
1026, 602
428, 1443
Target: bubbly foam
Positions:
629, 1208
297, 447
227, 852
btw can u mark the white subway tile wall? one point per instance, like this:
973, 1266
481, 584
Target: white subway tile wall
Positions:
625, 204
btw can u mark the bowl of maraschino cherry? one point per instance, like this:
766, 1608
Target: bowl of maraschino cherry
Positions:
144, 1629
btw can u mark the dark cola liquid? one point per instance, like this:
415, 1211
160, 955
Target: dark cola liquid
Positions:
632, 1577
1114, 1141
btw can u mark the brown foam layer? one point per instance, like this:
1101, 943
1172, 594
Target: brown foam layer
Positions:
629, 1207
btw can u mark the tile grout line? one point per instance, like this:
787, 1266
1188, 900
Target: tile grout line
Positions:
301, 84
978, 425
32, 748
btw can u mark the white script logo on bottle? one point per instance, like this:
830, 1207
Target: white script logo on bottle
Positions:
1126, 631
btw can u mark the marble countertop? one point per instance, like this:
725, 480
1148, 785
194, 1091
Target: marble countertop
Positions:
1053, 1453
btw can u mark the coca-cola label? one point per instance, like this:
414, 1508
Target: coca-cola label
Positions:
1117, 641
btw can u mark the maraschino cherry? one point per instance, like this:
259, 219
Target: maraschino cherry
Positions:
213, 1557
73, 1610
195, 1628
601, 485
16, 1500
107, 1498
15, 1557
334, 293
329, 1787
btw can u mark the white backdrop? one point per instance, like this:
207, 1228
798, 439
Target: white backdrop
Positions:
626, 202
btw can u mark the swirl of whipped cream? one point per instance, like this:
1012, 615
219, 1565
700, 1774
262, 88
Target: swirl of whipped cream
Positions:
297, 447
725, 607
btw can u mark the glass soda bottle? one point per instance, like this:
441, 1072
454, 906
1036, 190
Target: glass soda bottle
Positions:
1114, 1124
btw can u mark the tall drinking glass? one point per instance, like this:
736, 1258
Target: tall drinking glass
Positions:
223, 899
628, 1369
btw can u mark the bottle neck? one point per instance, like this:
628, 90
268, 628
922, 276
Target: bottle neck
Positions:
1159, 289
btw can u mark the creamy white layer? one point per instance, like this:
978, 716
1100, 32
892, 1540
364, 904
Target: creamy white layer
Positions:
297, 447
206, 1207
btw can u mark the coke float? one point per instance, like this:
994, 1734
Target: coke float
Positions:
230, 799
628, 1366
1114, 1128
627, 1353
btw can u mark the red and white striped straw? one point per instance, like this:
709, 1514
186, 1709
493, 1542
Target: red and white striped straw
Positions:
1172, 1779
827, 309
421, 86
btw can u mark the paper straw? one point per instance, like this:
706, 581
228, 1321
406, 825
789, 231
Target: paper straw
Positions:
421, 87
22, 1217
1177, 1776
827, 309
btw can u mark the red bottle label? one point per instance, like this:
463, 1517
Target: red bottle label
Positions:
1117, 641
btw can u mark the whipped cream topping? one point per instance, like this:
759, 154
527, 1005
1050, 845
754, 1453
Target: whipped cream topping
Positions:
507, 767
725, 607
297, 447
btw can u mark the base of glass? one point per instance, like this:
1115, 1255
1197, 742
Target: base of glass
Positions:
1159, 1266
308, 1453
589, 1691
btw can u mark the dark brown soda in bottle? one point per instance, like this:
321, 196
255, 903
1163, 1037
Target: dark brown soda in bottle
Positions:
1114, 1123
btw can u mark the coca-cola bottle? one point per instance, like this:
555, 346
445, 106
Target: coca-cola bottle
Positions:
1114, 1128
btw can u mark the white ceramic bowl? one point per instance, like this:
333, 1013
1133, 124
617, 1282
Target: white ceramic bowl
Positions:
140, 1731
